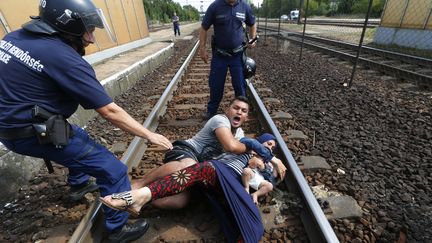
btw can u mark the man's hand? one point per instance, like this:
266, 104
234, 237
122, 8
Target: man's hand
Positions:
203, 54
158, 139
280, 167
251, 45
252, 42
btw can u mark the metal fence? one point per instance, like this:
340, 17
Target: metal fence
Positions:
400, 26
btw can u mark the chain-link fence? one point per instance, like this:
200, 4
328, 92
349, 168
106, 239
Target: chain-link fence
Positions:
399, 26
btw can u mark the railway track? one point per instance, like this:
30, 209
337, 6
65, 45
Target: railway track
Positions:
178, 111
399, 65
330, 22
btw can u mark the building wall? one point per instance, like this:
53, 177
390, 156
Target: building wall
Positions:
406, 23
126, 19
408, 14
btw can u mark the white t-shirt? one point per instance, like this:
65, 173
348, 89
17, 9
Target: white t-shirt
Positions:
205, 141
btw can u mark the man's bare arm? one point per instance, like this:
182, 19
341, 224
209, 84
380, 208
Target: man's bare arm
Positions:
252, 34
202, 45
252, 31
228, 141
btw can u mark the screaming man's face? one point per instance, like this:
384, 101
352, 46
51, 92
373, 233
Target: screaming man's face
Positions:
237, 113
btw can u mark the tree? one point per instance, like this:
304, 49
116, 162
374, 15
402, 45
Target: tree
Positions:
163, 10
345, 6
361, 6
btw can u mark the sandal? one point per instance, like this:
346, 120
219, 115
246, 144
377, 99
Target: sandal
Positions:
127, 197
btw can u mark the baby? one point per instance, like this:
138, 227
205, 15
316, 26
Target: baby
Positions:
259, 175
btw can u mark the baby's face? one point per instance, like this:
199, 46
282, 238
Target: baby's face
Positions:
255, 161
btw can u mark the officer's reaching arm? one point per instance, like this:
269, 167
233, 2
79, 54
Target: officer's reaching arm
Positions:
229, 142
252, 34
202, 46
120, 118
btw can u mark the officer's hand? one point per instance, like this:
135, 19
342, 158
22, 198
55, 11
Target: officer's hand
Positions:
252, 45
252, 42
203, 54
158, 139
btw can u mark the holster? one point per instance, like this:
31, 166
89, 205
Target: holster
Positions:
58, 130
41, 133
55, 130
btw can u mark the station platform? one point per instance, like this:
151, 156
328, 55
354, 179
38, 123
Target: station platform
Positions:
120, 68
158, 40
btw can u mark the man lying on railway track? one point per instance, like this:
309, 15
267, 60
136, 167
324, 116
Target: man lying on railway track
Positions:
42, 82
220, 134
220, 179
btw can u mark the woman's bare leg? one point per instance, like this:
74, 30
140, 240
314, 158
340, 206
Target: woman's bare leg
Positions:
139, 198
178, 201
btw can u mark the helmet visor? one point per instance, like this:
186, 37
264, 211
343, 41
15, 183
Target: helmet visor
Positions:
96, 19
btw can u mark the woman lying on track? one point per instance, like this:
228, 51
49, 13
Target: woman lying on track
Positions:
221, 177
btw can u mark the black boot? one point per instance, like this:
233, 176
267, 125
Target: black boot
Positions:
129, 232
78, 192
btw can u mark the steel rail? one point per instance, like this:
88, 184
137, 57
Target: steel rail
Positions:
320, 231
366, 49
376, 65
415, 60
390, 70
91, 226
353, 24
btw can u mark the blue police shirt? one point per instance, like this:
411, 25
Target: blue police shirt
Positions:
227, 21
44, 70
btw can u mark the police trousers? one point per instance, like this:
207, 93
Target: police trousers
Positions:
83, 157
219, 68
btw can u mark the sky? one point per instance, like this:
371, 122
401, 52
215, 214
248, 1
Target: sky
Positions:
205, 3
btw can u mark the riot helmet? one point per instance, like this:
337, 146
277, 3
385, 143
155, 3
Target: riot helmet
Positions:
249, 67
71, 17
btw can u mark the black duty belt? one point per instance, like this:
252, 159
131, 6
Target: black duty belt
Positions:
17, 133
20, 133
229, 52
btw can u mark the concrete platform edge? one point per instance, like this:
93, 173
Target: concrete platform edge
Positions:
102, 55
122, 81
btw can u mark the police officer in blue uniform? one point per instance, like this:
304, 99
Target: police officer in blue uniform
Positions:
227, 17
43, 79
